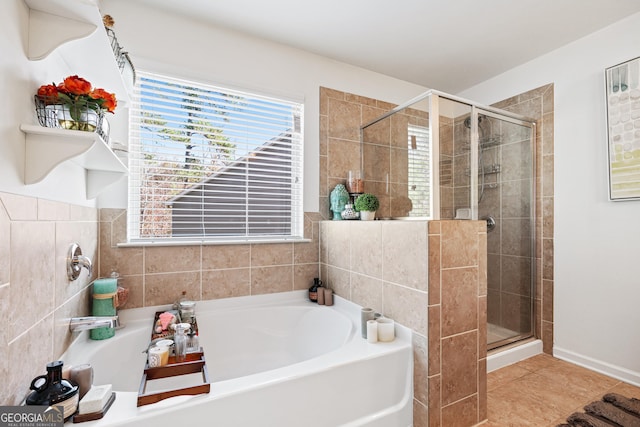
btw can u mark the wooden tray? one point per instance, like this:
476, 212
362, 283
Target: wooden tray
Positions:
194, 363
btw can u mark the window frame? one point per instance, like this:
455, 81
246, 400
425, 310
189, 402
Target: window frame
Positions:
295, 199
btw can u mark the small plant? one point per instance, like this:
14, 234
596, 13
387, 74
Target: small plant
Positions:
367, 202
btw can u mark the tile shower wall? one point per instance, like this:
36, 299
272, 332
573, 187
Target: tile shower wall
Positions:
36, 298
157, 275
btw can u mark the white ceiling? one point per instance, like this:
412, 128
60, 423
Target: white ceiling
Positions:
449, 45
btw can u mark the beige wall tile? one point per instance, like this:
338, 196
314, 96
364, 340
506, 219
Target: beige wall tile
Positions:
49, 210
20, 208
83, 213
407, 306
4, 345
342, 116
226, 283
32, 273
304, 253
366, 291
5, 246
226, 256
78, 305
366, 247
166, 288
271, 254
135, 285
126, 261
434, 277
267, 280
420, 369
404, 246
171, 258
343, 156
303, 275
339, 280
29, 354
339, 244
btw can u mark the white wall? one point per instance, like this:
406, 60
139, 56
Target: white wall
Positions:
19, 80
168, 44
597, 242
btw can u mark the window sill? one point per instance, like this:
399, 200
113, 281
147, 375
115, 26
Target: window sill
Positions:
201, 242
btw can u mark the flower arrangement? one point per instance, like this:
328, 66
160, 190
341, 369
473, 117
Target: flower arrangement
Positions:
77, 94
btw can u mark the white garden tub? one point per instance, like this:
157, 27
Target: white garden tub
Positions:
273, 360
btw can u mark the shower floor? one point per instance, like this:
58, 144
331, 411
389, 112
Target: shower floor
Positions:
497, 333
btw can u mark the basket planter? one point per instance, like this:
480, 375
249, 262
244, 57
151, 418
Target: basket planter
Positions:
73, 117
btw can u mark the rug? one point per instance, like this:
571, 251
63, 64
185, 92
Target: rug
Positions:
613, 410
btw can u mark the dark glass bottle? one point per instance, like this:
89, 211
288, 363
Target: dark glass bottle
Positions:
53, 390
313, 290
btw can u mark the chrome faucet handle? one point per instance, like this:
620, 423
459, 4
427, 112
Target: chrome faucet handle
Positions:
75, 262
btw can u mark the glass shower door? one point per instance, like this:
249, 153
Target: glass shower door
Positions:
506, 200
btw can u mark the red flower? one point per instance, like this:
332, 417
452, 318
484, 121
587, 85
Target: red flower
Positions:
76, 85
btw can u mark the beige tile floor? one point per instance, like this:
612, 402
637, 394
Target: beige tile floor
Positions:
543, 391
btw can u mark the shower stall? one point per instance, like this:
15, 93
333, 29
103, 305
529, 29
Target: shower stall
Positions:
443, 157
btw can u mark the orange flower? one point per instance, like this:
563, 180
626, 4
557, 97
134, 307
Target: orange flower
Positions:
76, 85
49, 93
77, 93
108, 99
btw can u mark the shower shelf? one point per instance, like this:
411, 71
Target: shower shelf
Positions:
488, 170
492, 141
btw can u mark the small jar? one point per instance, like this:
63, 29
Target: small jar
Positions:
187, 311
349, 212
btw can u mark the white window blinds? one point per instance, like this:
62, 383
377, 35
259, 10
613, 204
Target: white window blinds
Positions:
419, 168
208, 163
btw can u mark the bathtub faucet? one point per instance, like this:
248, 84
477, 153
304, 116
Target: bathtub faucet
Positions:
92, 322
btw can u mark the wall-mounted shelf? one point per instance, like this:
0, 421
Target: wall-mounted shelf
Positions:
74, 28
46, 148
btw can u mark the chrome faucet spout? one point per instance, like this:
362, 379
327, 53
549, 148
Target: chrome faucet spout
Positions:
92, 322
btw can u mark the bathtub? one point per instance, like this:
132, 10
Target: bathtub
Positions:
273, 360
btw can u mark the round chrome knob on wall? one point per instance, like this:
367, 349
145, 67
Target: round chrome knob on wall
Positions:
491, 222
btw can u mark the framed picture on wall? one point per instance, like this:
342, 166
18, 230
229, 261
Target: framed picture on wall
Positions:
623, 129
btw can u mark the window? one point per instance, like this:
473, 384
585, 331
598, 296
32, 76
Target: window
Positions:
208, 163
419, 171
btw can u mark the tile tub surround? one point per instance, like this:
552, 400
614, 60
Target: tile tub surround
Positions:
157, 275
418, 272
35, 294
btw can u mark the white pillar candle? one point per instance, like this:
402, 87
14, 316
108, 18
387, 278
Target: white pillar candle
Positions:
386, 329
372, 331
